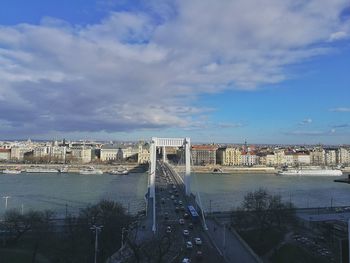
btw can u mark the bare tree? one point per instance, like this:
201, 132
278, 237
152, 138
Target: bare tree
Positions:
261, 210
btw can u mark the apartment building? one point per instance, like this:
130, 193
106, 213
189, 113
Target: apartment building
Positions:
204, 154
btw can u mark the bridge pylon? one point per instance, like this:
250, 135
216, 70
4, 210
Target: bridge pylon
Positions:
168, 142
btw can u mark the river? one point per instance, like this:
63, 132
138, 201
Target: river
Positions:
217, 191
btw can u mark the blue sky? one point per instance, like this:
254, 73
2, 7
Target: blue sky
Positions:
104, 69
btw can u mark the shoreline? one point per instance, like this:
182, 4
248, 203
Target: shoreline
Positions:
242, 170
233, 170
142, 168
75, 168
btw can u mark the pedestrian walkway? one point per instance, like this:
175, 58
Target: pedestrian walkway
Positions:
229, 244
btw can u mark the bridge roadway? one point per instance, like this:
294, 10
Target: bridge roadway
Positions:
217, 245
168, 185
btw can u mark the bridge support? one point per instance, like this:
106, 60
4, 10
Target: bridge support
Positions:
164, 154
152, 187
170, 142
188, 166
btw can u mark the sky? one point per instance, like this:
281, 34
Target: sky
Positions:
216, 71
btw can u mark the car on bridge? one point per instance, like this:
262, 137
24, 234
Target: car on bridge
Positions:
199, 255
186, 260
189, 245
166, 215
168, 229
198, 241
186, 233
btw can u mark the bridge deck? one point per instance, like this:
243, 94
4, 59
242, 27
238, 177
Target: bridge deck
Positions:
212, 247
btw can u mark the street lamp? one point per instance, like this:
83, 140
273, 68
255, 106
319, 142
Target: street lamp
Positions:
97, 230
210, 206
6, 197
124, 230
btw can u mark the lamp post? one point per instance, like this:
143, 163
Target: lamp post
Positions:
97, 230
349, 237
224, 241
6, 197
124, 230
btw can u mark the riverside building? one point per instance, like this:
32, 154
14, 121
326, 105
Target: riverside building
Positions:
204, 154
229, 156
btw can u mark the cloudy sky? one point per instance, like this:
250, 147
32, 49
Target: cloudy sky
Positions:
226, 71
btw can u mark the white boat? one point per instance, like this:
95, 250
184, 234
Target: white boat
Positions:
90, 170
120, 171
63, 169
41, 170
311, 172
11, 171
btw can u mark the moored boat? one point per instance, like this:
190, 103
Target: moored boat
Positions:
63, 169
11, 171
120, 171
311, 172
41, 170
90, 170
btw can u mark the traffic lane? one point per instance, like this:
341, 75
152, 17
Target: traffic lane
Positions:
197, 231
175, 235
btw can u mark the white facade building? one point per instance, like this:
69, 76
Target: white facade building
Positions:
249, 159
17, 152
343, 156
330, 157
5, 154
81, 154
302, 159
143, 155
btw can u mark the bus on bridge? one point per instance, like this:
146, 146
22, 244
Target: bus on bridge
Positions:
193, 213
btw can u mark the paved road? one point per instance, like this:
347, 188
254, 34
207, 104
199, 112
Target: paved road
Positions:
230, 246
168, 185
170, 188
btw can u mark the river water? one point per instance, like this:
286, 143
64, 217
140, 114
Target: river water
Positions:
217, 191
74, 191
226, 191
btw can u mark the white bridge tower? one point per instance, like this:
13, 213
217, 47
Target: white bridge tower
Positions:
168, 142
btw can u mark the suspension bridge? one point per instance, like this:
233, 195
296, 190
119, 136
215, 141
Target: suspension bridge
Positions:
173, 207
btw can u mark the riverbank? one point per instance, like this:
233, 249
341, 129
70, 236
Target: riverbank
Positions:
233, 170
75, 168
217, 169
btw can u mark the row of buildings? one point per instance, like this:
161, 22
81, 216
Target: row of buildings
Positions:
227, 155
73, 152
269, 156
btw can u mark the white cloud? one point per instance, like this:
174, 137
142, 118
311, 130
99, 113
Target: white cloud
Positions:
305, 121
312, 132
130, 72
340, 109
338, 36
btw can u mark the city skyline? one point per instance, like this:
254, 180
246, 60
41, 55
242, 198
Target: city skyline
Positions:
111, 70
